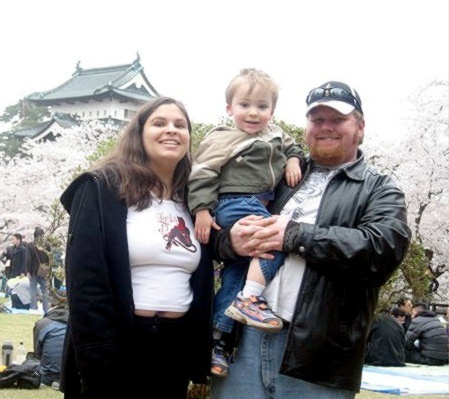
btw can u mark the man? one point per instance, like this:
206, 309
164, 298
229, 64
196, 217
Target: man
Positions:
38, 252
18, 257
426, 341
385, 345
406, 305
48, 335
6, 260
344, 229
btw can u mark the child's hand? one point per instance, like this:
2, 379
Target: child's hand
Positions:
293, 173
203, 224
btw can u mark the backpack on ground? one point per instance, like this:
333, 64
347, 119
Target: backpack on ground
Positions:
24, 376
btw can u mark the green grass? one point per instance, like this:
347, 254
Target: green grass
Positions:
19, 327
44, 392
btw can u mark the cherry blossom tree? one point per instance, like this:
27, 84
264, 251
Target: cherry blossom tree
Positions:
419, 163
32, 182
425, 172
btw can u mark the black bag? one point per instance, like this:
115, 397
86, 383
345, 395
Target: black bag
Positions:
25, 375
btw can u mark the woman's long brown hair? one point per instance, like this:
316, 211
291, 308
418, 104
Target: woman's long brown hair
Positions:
126, 167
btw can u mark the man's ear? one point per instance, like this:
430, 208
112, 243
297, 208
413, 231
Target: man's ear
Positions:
361, 131
361, 136
228, 109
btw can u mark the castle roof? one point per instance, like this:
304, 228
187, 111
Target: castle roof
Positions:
42, 129
121, 81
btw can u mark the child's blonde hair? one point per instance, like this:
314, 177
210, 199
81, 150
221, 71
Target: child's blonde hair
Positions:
253, 77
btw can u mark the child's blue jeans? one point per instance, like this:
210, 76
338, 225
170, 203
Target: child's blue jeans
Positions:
229, 209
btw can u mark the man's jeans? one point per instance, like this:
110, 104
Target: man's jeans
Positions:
254, 372
34, 281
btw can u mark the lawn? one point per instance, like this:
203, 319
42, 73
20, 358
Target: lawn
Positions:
19, 327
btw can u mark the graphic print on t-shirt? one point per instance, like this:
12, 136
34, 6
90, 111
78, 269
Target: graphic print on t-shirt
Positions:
180, 235
307, 199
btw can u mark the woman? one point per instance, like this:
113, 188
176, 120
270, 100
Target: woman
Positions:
132, 301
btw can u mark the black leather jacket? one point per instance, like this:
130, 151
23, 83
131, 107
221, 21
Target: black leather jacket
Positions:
359, 239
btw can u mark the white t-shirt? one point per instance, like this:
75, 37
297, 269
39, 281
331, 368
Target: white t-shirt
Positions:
163, 253
281, 293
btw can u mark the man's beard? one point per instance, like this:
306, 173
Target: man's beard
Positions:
327, 155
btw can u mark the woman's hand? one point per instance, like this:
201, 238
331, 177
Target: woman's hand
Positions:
257, 236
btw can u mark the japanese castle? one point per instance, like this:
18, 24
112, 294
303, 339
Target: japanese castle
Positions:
111, 94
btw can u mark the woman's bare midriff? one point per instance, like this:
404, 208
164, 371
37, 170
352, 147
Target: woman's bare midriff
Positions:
152, 313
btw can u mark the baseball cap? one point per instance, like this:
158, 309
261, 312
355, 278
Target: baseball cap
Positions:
336, 95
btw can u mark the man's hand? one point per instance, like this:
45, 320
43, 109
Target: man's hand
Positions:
257, 236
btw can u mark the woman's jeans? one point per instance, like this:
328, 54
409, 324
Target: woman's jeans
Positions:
254, 373
229, 209
42, 281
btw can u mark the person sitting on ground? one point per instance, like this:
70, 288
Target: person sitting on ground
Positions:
48, 337
386, 340
18, 289
426, 341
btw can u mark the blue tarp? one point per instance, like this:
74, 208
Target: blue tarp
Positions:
413, 379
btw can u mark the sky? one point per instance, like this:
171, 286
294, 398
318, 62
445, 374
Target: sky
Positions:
385, 49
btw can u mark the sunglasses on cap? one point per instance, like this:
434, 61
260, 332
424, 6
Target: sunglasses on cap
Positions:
335, 93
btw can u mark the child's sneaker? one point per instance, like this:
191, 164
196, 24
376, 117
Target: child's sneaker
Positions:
220, 360
255, 312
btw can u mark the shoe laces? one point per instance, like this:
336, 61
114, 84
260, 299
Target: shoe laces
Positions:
258, 301
219, 347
